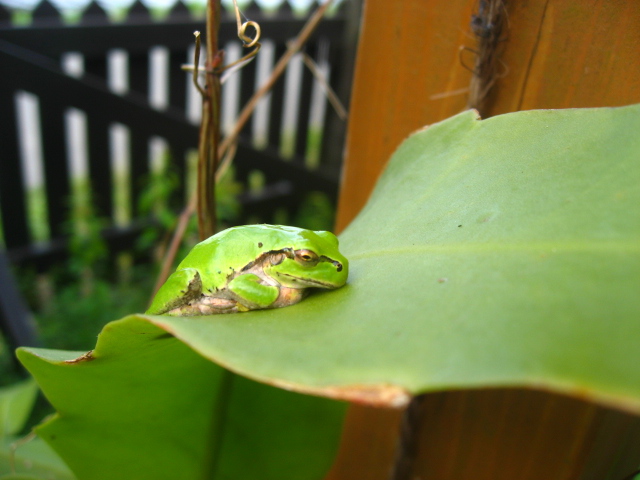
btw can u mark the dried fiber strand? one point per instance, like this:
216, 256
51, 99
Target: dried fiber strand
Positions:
488, 25
407, 448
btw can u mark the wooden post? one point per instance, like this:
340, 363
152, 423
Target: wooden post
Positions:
416, 64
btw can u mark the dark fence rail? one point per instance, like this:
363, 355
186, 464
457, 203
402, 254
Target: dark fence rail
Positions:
31, 61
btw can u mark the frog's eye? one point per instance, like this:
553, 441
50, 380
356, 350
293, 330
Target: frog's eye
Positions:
306, 257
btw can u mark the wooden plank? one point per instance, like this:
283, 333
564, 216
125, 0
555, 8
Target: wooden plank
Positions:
139, 73
55, 163
95, 66
407, 74
178, 79
275, 169
333, 133
304, 107
247, 88
367, 446
277, 104
566, 54
95, 37
43, 256
100, 172
342, 56
502, 434
558, 54
40, 75
138, 168
12, 191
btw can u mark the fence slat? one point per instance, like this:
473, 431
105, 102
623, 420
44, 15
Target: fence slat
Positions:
41, 75
12, 194
139, 73
247, 88
139, 167
99, 166
334, 126
277, 103
177, 92
302, 128
55, 162
95, 66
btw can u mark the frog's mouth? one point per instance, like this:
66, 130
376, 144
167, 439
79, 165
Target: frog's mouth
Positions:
308, 282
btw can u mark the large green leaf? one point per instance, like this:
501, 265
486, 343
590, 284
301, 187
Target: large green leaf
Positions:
24, 457
144, 405
16, 402
503, 252
31, 459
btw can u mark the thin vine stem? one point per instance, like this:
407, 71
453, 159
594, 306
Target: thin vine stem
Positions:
210, 127
331, 95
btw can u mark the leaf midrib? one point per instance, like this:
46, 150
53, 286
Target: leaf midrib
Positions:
598, 246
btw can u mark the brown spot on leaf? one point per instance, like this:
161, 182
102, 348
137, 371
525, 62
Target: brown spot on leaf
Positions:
371, 395
87, 357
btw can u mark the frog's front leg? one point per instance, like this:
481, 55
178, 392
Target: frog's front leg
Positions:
289, 296
251, 294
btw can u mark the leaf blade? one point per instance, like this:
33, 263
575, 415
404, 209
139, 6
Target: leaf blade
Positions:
510, 250
141, 405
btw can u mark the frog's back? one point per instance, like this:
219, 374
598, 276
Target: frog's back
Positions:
232, 249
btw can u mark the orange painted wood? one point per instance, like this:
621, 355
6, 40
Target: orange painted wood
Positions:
566, 54
557, 54
507, 434
410, 73
407, 62
368, 444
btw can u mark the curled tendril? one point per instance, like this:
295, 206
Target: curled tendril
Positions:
196, 63
247, 41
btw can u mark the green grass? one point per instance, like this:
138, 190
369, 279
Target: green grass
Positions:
314, 147
8, 372
288, 144
74, 317
37, 214
122, 198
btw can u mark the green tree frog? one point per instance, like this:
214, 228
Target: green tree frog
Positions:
251, 267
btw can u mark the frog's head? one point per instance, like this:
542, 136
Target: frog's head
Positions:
313, 261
